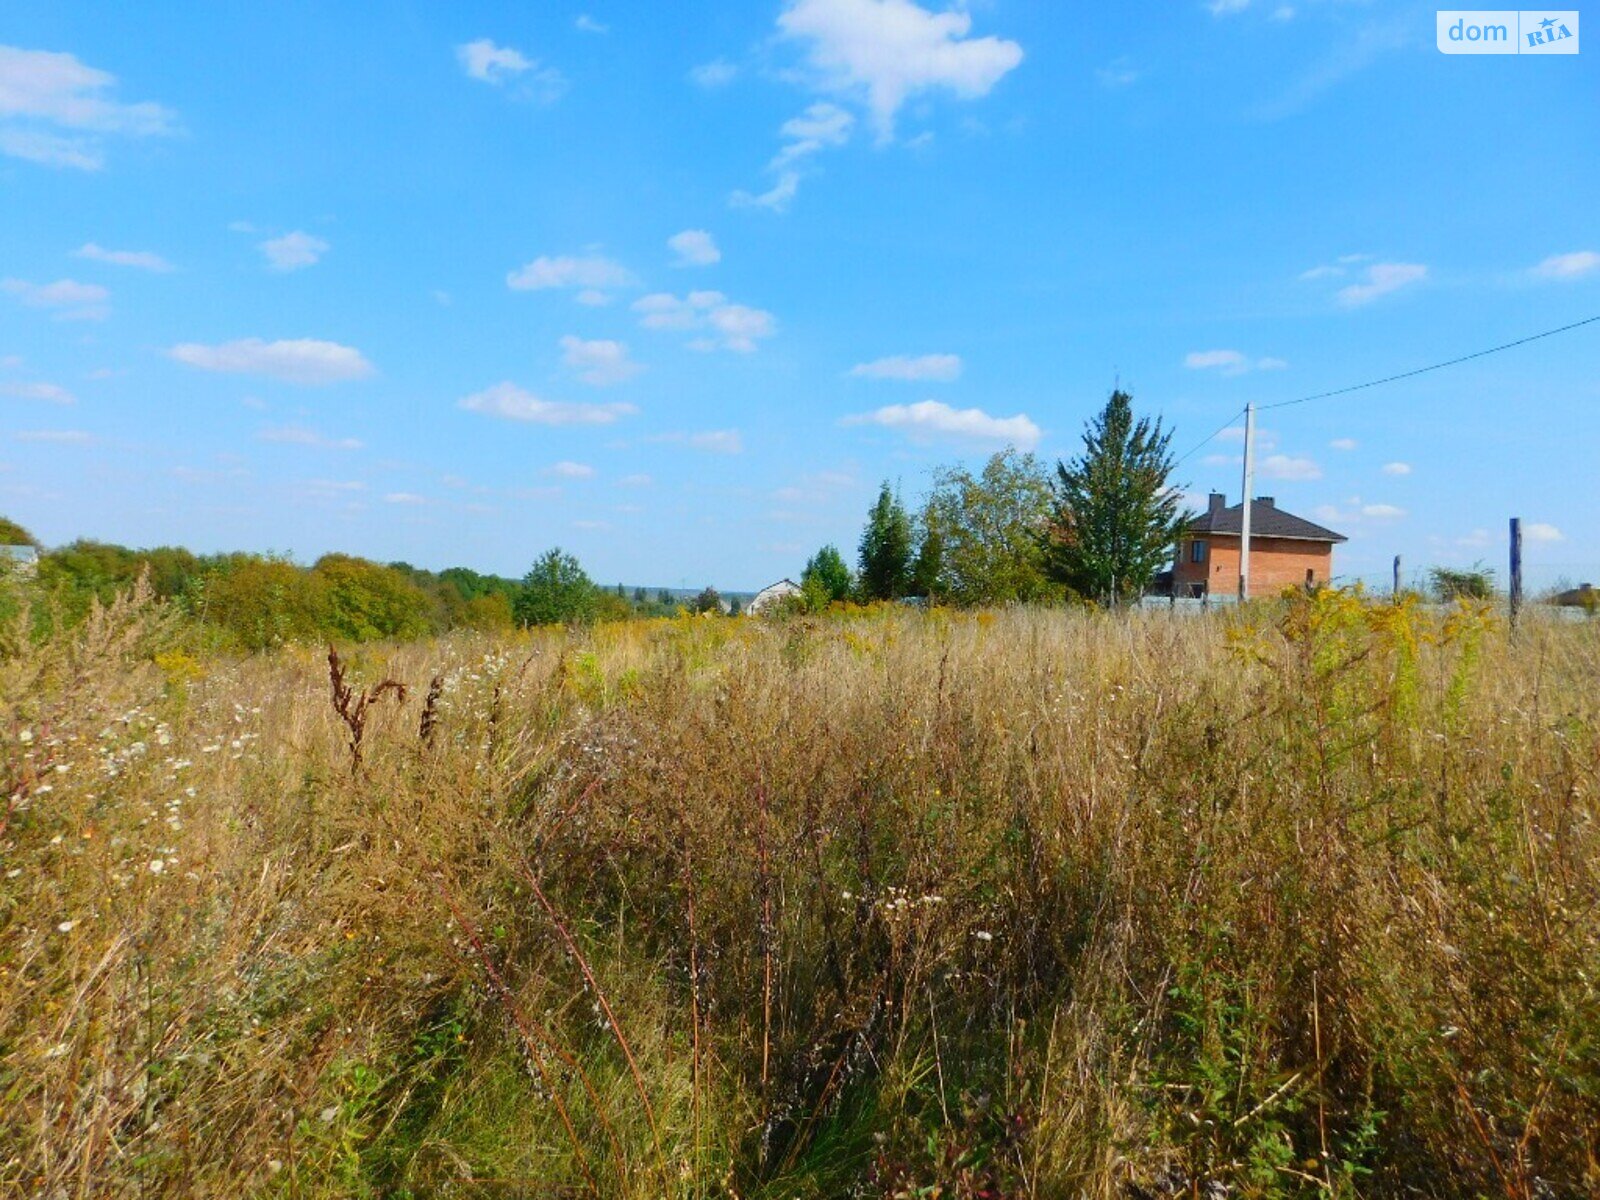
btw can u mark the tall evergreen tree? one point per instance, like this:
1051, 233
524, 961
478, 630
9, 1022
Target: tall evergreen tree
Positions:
885, 560
1116, 517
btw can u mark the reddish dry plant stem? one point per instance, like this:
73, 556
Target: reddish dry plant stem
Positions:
526, 1032
611, 1017
352, 705
766, 949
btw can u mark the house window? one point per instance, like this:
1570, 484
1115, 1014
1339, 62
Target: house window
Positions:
1197, 552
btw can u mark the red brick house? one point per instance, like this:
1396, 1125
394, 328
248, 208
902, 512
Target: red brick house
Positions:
1285, 551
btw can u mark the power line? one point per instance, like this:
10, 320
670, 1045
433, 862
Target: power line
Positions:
1203, 442
1371, 383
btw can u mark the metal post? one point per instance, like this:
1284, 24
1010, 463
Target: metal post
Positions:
1249, 484
1397, 577
1516, 569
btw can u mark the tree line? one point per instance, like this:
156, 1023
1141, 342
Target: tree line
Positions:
1097, 527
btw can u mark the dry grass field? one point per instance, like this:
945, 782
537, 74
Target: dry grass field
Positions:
1295, 902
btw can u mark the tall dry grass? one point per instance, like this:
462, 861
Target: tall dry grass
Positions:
1027, 904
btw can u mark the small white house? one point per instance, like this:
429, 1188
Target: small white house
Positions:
771, 597
22, 559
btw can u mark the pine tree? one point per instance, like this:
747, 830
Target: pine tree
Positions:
1116, 518
885, 561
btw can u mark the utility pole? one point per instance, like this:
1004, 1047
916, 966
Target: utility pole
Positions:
1397, 577
1249, 485
1516, 571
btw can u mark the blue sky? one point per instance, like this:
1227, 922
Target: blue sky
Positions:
676, 286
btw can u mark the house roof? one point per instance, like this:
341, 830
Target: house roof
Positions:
1267, 520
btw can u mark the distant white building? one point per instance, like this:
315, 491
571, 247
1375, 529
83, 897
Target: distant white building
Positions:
772, 596
19, 558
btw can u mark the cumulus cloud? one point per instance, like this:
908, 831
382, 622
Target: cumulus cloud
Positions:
1397, 468
1289, 467
598, 363
723, 325
298, 360
144, 260
887, 51
52, 393
57, 111
777, 198
512, 403
590, 275
1569, 266
297, 435
931, 419
940, 368
1230, 362
1382, 512
293, 251
67, 298
1343, 444
1538, 531
571, 470
506, 66
694, 248
1380, 280
587, 24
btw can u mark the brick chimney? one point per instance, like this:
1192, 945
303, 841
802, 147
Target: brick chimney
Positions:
1219, 501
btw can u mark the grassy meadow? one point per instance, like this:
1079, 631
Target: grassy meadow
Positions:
1299, 901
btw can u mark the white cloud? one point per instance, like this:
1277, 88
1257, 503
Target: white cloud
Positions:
296, 435
297, 360
930, 419
1200, 360
820, 127
590, 274
694, 248
1284, 466
889, 50
1568, 266
1343, 444
571, 470
69, 299
1226, 8
503, 65
1381, 279
1266, 439
72, 437
1230, 362
587, 24
52, 393
404, 498
599, 363
1538, 531
1118, 73
512, 403
714, 74
1397, 468
1382, 512
293, 251
726, 326
41, 89
924, 367
145, 260
777, 197
717, 441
